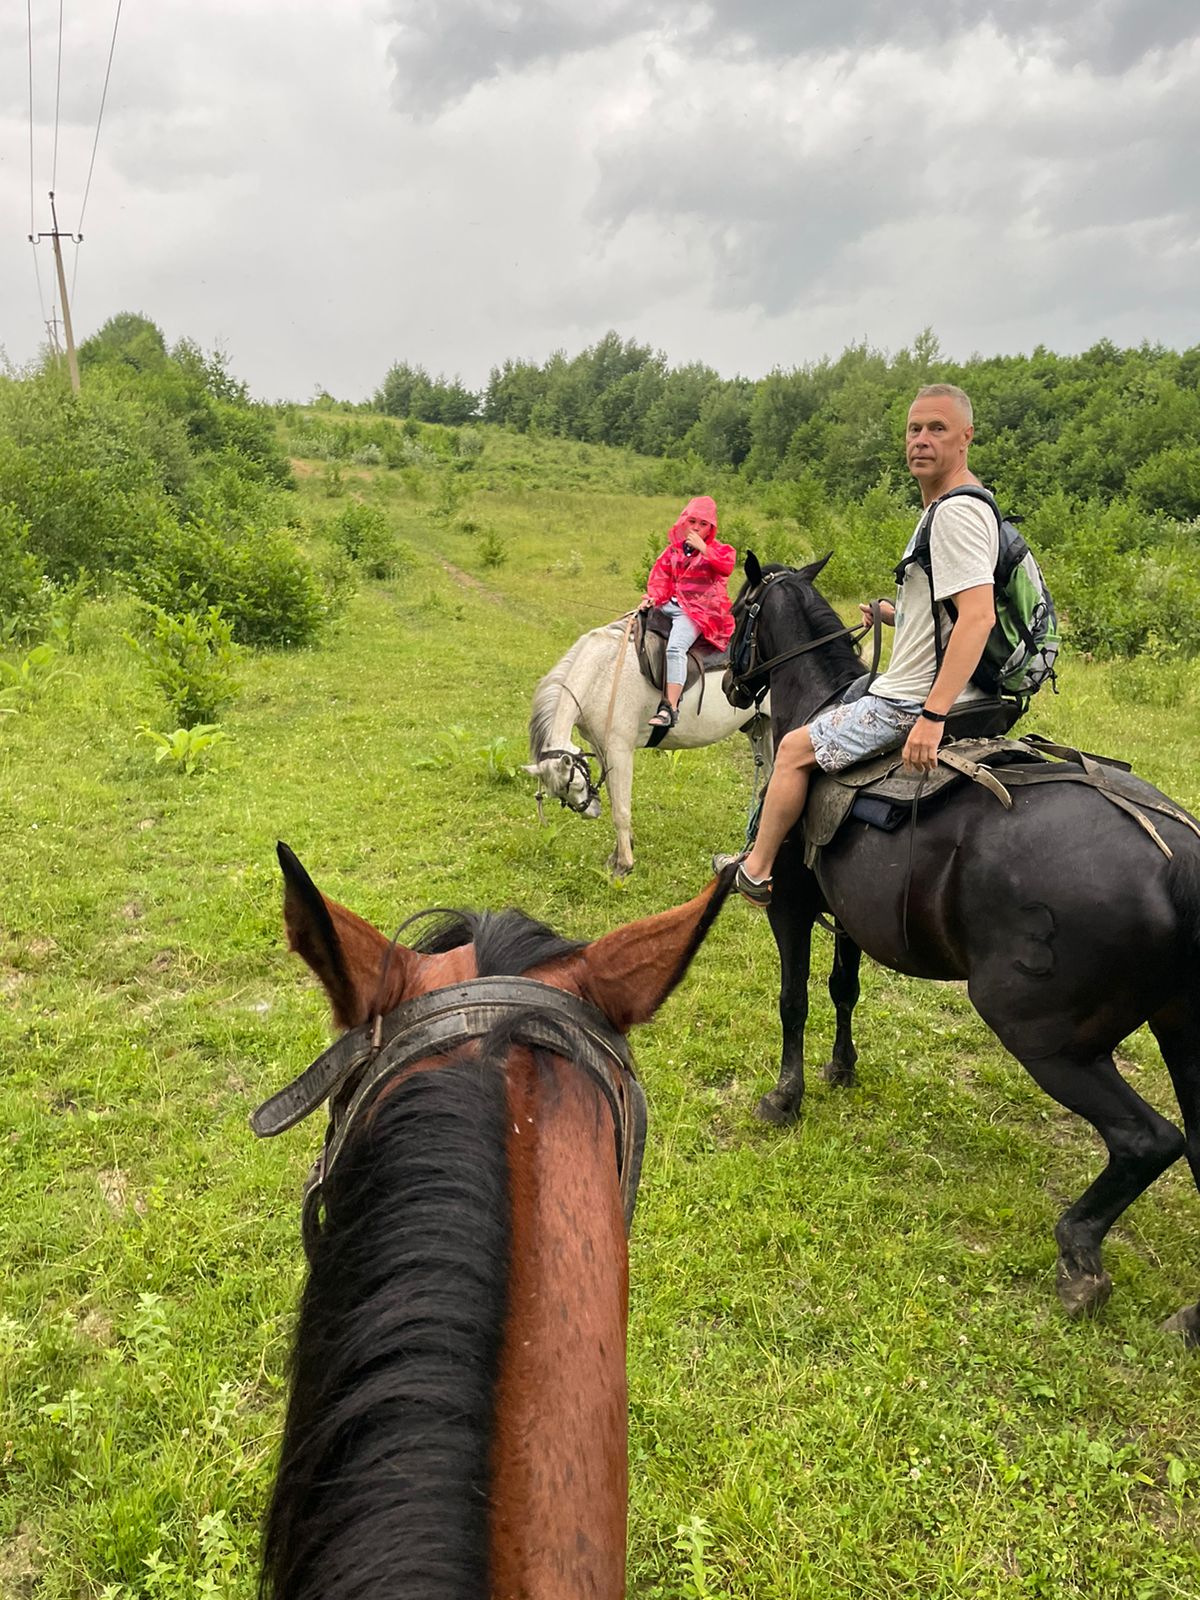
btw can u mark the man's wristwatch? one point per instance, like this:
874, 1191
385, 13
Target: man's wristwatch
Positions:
933, 716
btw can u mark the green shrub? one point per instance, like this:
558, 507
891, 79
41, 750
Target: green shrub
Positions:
24, 593
268, 592
191, 659
362, 531
186, 747
493, 550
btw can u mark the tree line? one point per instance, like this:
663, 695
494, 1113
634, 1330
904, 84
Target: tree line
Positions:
1109, 422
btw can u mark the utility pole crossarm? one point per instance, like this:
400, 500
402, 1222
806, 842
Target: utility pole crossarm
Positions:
56, 235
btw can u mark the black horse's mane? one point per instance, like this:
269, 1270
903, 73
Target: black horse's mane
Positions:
798, 611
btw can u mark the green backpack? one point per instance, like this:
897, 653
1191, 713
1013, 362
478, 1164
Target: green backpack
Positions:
1023, 644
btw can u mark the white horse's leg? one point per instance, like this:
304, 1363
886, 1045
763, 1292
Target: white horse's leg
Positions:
619, 758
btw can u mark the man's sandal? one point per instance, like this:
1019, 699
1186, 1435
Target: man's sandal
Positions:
665, 717
758, 894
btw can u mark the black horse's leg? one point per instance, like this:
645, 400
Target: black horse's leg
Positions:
843, 991
791, 913
1141, 1144
1178, 1033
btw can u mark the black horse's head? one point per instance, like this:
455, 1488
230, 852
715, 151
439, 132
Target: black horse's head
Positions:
780, 612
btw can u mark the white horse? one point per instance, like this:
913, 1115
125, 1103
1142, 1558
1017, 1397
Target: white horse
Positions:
578, 693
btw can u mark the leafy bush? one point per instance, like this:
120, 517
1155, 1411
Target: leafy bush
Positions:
186, 747
362, 531
23, 591
264, 587
22, 679
493, 550
191, 659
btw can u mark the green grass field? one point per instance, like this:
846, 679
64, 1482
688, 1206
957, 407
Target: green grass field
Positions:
849, 1374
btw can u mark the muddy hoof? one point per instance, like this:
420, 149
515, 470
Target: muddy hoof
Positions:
1187, 1323
1084, 1293
840, 1074
773, 1108
619, 869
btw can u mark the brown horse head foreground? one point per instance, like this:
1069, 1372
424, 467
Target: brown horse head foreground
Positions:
457, 1416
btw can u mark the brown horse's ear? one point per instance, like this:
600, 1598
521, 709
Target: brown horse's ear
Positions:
628, 974
345, 952
812, 571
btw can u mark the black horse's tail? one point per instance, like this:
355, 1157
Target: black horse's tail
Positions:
1183, 881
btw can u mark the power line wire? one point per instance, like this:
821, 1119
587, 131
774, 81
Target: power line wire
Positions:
37, 272
57, 98
100, 117
29, 32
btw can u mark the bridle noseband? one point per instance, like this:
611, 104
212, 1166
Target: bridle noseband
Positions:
581, 761
353, 1070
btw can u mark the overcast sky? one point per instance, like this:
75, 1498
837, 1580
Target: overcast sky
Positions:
325, 186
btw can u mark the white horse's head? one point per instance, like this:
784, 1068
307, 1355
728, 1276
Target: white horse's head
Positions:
565, 776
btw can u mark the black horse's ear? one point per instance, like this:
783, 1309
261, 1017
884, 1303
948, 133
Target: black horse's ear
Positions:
811, 572
753, 570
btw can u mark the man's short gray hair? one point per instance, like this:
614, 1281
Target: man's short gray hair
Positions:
950, 391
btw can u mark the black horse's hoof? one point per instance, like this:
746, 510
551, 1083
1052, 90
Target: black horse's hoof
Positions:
840, 1074
773, 1108
1083, 1294
1187, 1323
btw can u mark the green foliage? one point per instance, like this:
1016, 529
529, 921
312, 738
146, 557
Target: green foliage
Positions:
191, 660
409, 391
269, 593
23, 590
365, 535
493, 549
23, 679
186, 747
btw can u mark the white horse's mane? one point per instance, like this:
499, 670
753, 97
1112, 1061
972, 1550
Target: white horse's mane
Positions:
549, 691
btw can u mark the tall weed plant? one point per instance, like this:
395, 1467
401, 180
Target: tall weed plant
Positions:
191, 659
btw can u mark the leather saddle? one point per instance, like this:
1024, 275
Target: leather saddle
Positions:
650, 631
880, 793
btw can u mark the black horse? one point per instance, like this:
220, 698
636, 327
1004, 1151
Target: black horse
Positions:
1068, 925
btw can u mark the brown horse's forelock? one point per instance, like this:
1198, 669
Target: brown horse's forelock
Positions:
383, 1482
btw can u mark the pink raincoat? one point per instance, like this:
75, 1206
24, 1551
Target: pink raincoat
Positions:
697, 582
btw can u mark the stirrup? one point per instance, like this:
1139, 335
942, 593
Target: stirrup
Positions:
665, 717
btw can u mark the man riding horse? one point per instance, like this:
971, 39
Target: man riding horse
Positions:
933, 659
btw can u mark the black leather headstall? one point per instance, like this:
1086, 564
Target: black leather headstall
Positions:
352, 1071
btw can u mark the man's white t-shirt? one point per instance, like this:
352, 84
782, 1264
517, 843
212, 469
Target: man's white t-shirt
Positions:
964, 545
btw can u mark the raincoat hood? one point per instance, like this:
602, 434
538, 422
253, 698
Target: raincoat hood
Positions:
704, 507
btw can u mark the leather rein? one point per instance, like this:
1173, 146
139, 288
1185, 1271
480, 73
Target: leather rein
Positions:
757, 669
351, 1073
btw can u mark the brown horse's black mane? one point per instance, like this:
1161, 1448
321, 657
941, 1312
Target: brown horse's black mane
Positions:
505, 941
388, 1434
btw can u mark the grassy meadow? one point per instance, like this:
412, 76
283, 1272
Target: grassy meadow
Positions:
849, 1375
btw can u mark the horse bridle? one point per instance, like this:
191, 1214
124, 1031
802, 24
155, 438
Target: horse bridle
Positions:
581, 761
757, 669
354, 1069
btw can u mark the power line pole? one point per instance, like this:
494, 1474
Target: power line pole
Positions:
56, 235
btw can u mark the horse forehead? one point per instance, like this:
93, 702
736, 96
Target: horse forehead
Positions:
451, 966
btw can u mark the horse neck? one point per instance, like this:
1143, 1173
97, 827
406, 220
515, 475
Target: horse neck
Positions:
387, 1442
586, 687
457, 1421
809, 681
560, 1472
